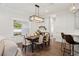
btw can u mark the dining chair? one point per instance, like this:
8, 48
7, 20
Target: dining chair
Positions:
39, 44
26, 43
47, 39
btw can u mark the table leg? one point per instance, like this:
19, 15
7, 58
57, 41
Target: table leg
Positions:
25, 49
32, 47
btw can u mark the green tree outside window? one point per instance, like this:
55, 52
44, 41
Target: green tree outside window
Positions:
17, 25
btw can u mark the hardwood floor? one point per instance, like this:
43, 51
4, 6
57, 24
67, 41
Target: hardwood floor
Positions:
53, 50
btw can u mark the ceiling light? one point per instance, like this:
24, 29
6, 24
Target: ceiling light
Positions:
36, 17
74, 8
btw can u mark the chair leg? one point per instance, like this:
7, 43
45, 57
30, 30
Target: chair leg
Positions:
64, 49
38, 47
42, 46
72, 50
22, 47
25, 49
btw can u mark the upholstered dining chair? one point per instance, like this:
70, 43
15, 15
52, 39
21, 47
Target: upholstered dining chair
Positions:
26, 43
39, 44
46, 40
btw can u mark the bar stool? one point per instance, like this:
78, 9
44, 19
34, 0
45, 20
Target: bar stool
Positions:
63, 44
69, 39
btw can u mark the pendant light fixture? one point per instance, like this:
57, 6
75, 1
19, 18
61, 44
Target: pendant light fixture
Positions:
74, 8
36, 17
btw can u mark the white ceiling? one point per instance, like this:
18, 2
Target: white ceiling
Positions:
29, 8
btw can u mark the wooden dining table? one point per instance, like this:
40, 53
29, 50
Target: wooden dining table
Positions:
32, 39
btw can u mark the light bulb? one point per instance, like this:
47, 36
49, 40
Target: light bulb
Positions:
73, 8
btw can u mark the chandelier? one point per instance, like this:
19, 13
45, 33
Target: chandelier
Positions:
36, 17
74, 8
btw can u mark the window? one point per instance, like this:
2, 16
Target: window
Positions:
17, 27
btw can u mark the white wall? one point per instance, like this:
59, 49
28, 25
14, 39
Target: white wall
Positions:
6, 22
64, 23
5, 26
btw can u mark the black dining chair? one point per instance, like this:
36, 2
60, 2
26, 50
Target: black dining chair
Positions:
69, 39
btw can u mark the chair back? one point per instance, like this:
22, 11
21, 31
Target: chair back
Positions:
26, 42
47, 37
62, 34
40, 39
69, 39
